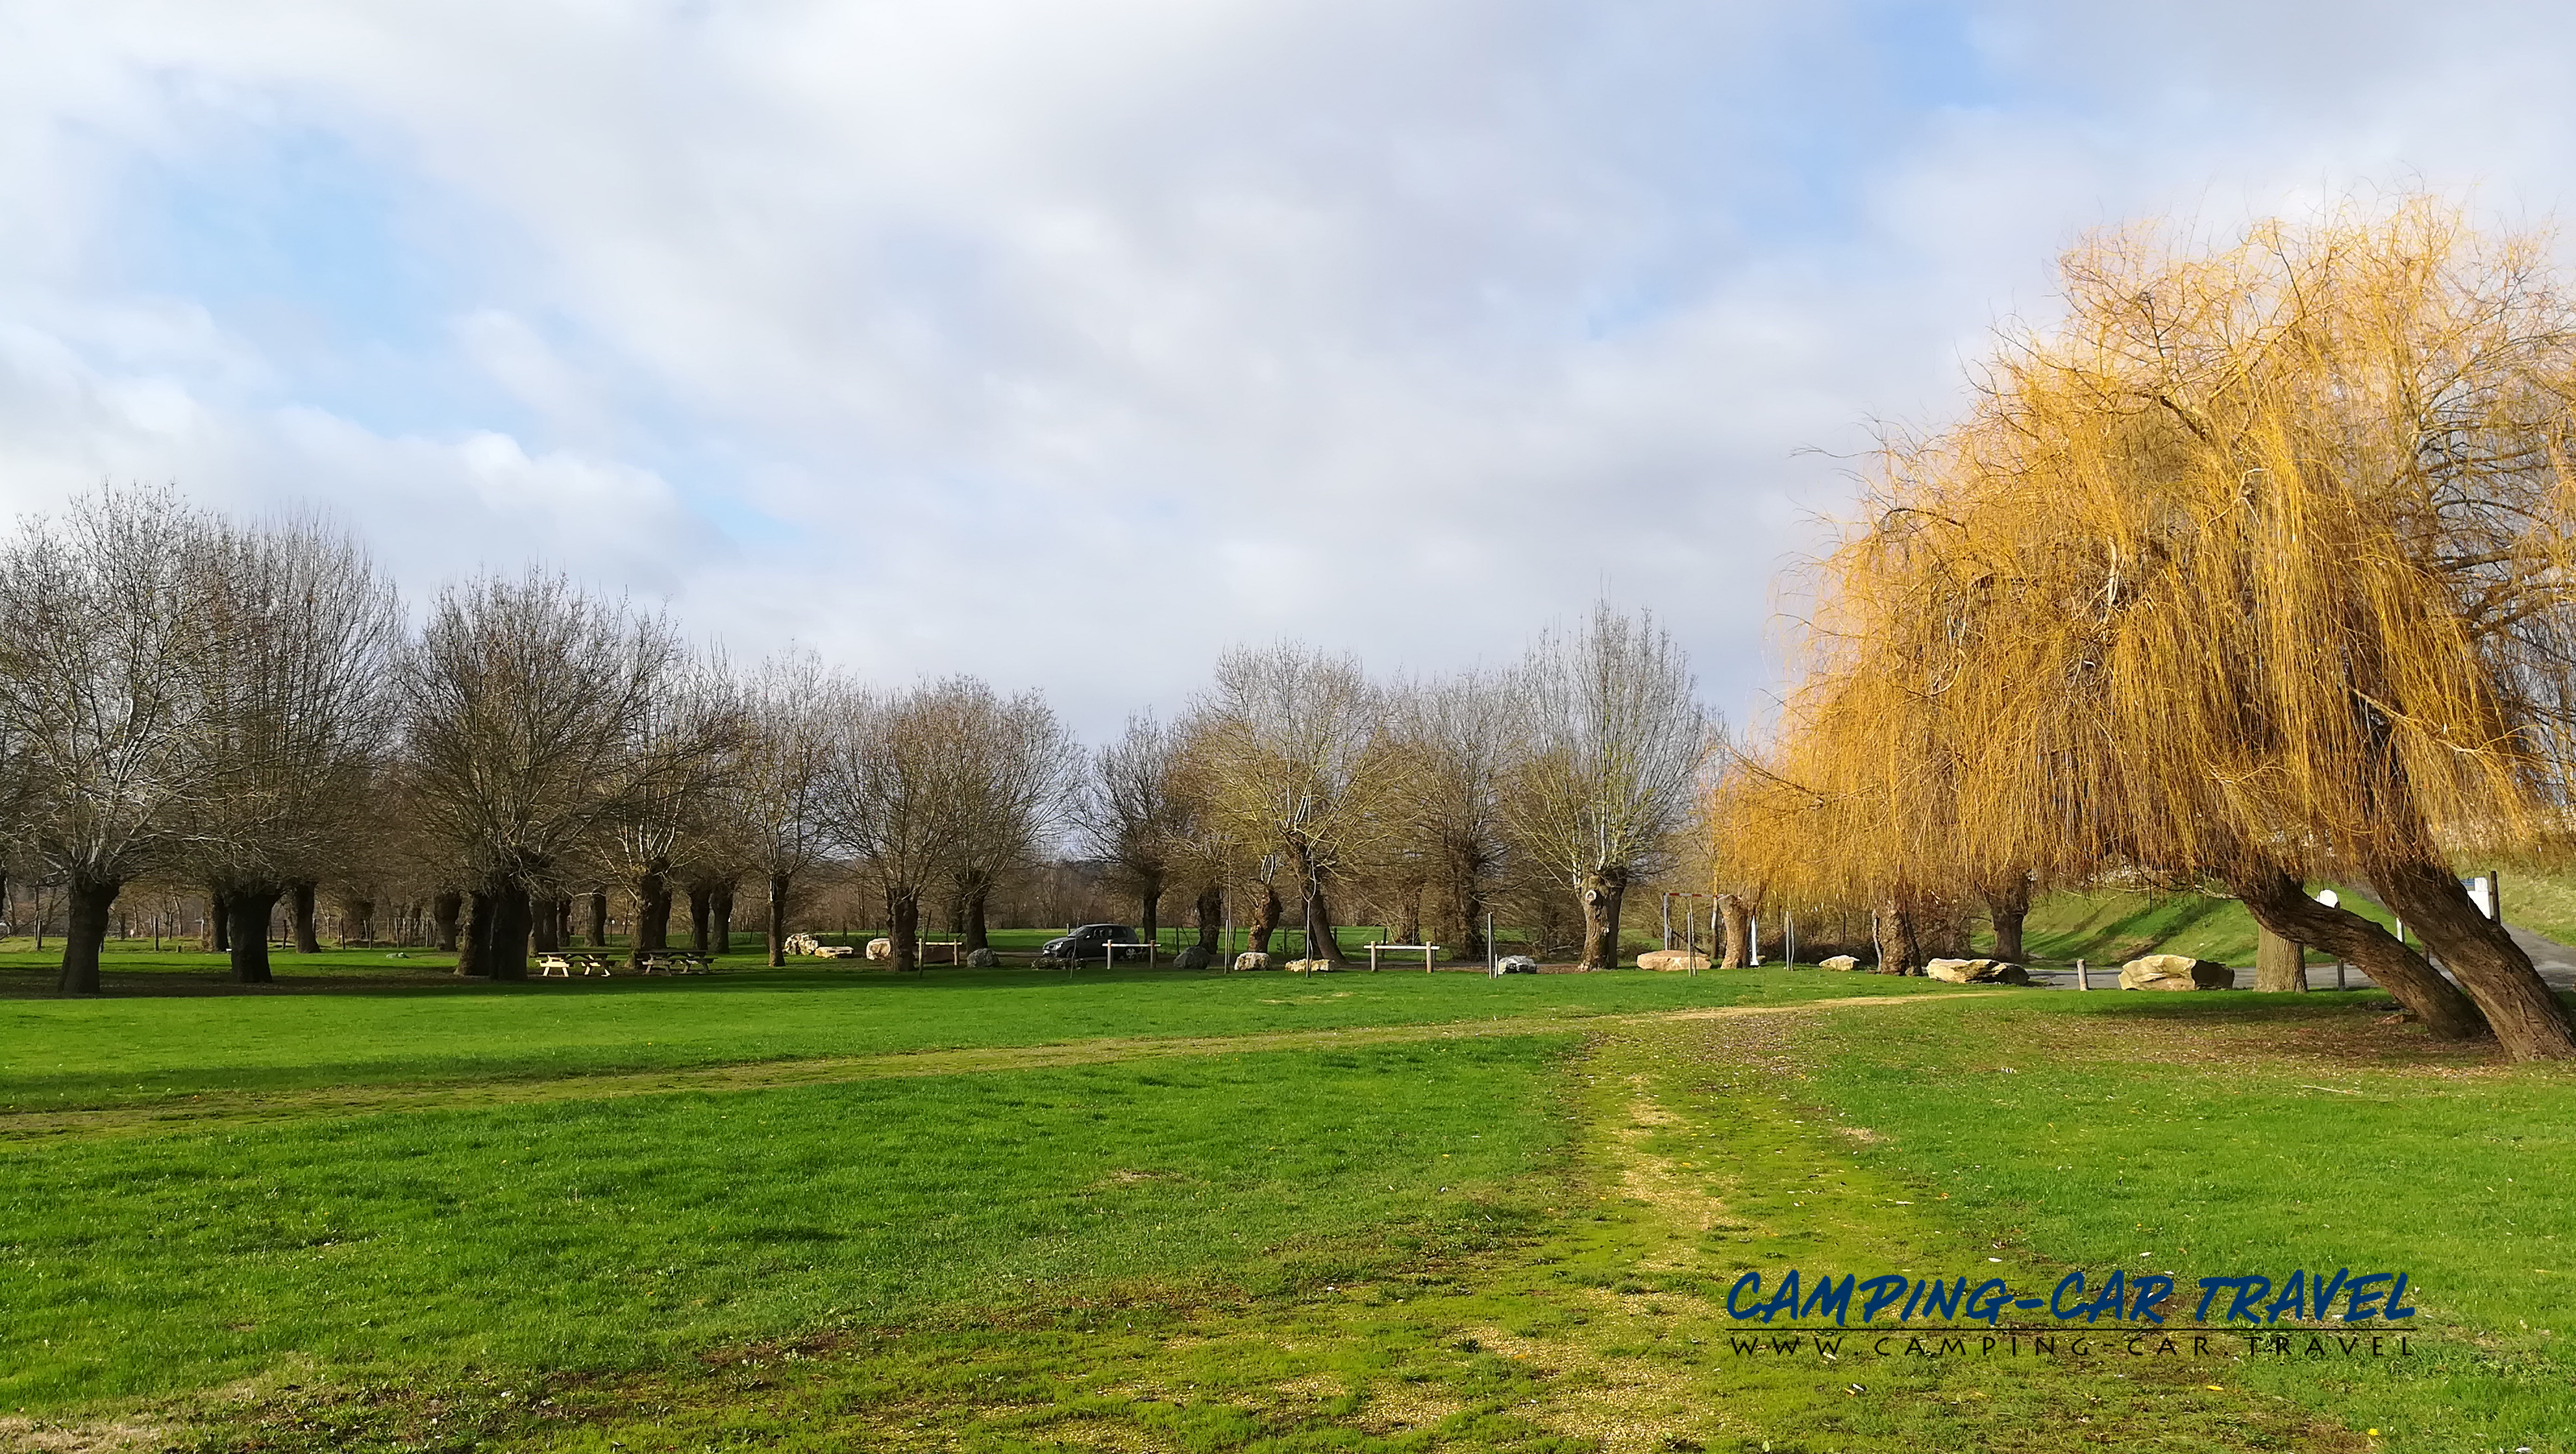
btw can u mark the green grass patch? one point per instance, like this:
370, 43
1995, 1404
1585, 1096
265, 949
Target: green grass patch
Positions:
609, 1235
2221, 1136
57, 1054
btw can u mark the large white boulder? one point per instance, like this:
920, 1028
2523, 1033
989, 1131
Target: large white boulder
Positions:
1681, 960
1977, 971
1252, 959
1842, 962
2175, 972
880, 949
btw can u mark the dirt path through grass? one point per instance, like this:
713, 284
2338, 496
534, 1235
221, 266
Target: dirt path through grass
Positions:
220, 1107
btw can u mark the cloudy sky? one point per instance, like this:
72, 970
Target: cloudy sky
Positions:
1069, 341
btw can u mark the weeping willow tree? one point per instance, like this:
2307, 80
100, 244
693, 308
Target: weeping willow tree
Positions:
2253, 569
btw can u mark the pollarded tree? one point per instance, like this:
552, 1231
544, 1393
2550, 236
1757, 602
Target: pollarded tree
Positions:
1291, 753
671, 786
99, 711
293, 717
1129, 810
1015, 779
892, 795
1613, 740
780, 776
521, 706
1457, 737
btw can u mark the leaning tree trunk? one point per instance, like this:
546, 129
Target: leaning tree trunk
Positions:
1600, 894
90, 900
299, 912
903, 910
1319, 927
505, 945
1211, 915
2008, 906
778, 886
2280, 965
1731, 921
443, 912
249, 909
2281, 905
720, 918
599, 919
702, 912
2528, 1019
1265, 918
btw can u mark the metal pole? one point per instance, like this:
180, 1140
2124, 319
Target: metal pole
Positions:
1668, 919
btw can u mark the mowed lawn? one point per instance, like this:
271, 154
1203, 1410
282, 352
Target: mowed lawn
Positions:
1517, 1241
58, 1054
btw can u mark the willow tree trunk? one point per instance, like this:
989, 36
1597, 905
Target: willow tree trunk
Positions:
778, 886
2280, 964
443, 914
1320, 934
652, 917
2528, 1020
299, 913
1410, 930
1600, 894
545, 924
90, 899
505, 946
248, 910
702, 914
971, 918
218, 936
1211, 911
903, 912
1265, 918
361, 917
474, 933
720, 919
2008, 907
599, 918
2281, 905
1731, 924
1900, 938
1149, 905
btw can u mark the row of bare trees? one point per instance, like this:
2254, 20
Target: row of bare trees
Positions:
2257, 570
1555, 785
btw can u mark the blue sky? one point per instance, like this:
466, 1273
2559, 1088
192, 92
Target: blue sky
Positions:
1070, 343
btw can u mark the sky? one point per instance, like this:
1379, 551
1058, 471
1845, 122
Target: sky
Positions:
1069, 342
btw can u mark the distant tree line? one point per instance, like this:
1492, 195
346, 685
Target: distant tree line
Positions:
191, 706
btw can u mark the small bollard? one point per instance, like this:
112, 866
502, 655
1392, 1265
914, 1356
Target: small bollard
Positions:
2083, 979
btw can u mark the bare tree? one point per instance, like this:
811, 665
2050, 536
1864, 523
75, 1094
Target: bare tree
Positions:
1293, 761
1015, 778
293, 719
790, 708
892, 794
522, 705
1130, 812
1457, 739
670, 787
1613, 741
98, 707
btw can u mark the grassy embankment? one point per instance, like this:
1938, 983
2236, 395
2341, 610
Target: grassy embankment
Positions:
1521, 1240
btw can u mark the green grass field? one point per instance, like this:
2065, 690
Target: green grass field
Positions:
1007, 1210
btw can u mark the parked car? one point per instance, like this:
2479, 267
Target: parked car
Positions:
1087, 941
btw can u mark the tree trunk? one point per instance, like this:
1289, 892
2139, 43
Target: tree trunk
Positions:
90, 901
720, 919
971, 916
1211, 917
1149, 906
1900, 940
1600, 894
2280, 905
702, 915
474, 934
2528, 1020
545, 925
599, 919
362, 917
2008, 905
1319, 927
778, 886
1730, 934
904, 912
218, 936
443, 912
504, 947
2280, 965
1265, 918
249, 909
652, 917
299, 913
1409, 931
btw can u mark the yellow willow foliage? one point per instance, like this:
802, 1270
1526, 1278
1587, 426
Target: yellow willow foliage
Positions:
2262, 550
